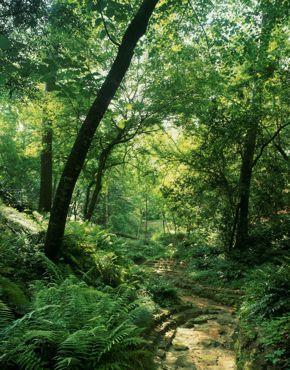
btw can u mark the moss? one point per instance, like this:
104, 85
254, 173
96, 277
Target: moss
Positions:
13, 295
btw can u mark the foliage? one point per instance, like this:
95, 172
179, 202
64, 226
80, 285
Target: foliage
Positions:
163, 292
142, 250
90, 254
276, 342
267, 292
71, 325
264, 314
13, 294
204, 75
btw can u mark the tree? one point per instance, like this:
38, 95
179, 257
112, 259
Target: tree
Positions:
74, 164
260, 65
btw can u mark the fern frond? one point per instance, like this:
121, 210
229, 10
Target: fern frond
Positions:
5, 315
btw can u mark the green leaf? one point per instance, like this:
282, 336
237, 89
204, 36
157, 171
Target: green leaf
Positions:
2, 80
5, 43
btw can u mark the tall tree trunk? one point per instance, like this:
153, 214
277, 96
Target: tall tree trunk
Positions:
245, 185
254, 118
45, 194
74, 164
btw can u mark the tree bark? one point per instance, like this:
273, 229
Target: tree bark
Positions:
45, 193
74, 164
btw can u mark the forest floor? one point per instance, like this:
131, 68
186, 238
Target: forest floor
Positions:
199, 335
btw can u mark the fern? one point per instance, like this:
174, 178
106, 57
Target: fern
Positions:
73, 326
5, 315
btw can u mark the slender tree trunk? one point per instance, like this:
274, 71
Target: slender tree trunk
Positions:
74, 164
107, 214
87, 198
95, 196
163, 223
100, 172
245, 185
54, 185
146, 216
139, 230
45, 194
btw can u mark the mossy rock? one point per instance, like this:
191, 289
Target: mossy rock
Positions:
211, 343
179, 347
13, 295
188, 314
182, 362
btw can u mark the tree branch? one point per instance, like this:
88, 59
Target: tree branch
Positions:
116, 43
268, 142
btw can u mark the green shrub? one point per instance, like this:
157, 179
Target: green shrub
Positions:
73, 326
17, 256
13, 294
163, 292
273, 235
267, 292
87, 237
264, 314
190, 249
142, 250
275, 339
108, 269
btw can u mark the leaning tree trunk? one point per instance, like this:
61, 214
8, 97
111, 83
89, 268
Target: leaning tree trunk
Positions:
254, 118
74, 164
98, 187
45, 193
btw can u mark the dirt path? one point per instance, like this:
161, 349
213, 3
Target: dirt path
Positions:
202, 337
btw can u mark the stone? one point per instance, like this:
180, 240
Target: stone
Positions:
211, 344
180, 347
161, 354
183, 363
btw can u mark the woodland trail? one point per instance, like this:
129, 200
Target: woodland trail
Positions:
200, 335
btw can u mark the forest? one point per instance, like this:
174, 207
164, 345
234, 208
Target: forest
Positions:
144, 185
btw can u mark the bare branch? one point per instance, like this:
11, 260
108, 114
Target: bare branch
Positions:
116, 43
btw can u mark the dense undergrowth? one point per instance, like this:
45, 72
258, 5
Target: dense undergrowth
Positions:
91, 311
95, 308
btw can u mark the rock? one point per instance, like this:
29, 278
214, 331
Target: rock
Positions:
183, 363
161, 353
188, 314
163, 344
189, 324
224, 320
202, 319
180, 347
211, 344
